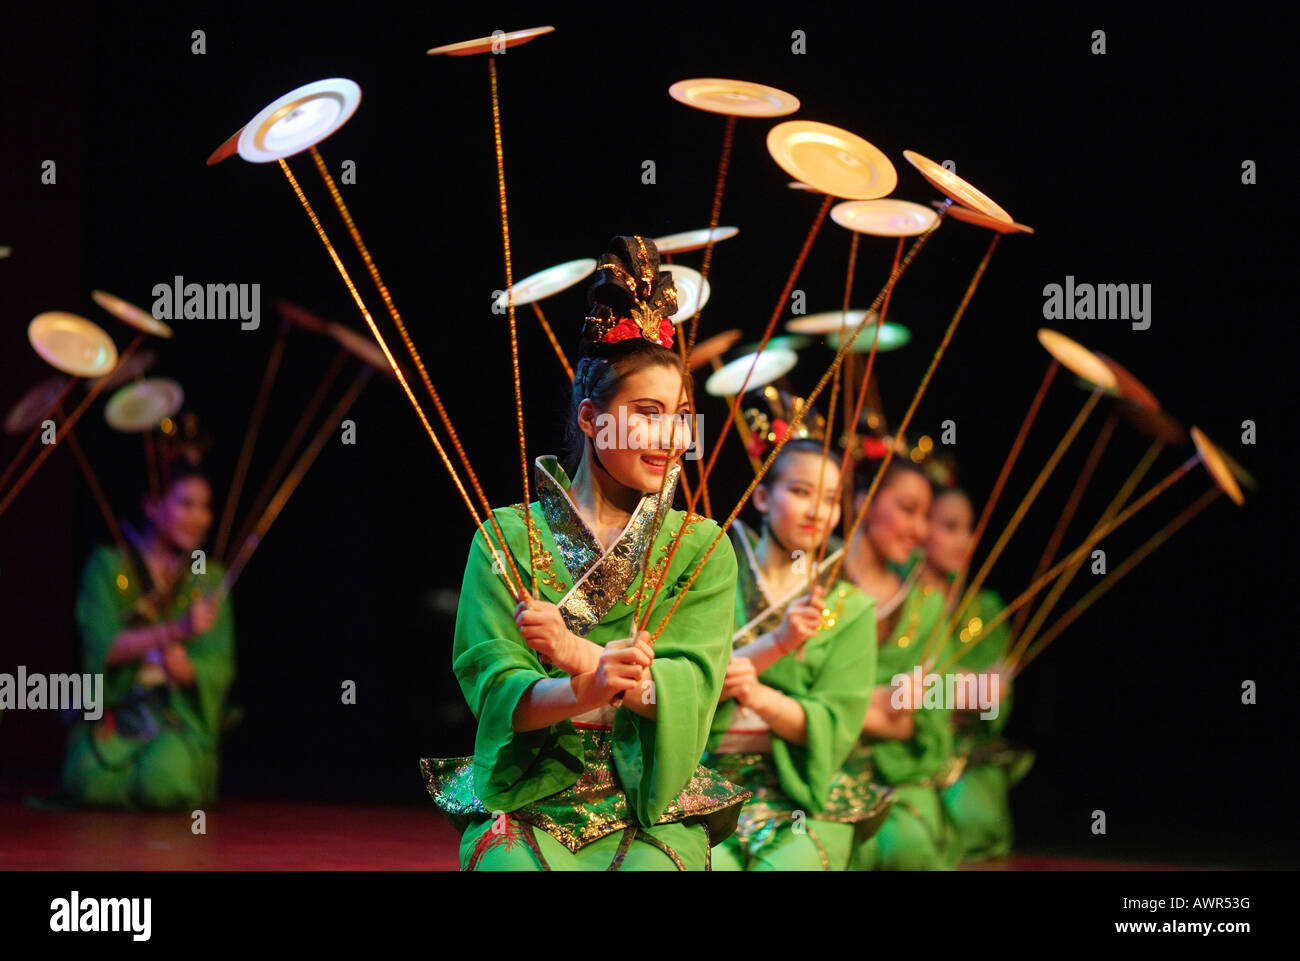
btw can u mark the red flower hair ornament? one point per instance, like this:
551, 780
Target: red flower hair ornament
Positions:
632, 297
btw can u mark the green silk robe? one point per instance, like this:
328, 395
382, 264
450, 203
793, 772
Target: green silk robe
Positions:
581, 783
916, 836
793, 822
978, 803
156, 746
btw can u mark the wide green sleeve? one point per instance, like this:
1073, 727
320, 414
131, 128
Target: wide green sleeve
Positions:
931, 745
656, 759
985, 649
213, 656
101, 616
924, 755
495, 669
723, 713
834, 703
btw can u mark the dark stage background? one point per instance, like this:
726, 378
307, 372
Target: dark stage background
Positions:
1128, 165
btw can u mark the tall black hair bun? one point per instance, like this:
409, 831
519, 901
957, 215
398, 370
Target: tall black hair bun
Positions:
629, 281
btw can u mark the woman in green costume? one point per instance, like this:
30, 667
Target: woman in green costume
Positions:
561, 778
901, 745
151, 623
799, 681
977, 804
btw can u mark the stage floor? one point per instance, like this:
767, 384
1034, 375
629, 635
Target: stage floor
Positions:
276, 836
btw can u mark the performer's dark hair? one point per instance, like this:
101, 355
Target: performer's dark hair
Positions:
601, 367
898, 466
800, 445
179, 469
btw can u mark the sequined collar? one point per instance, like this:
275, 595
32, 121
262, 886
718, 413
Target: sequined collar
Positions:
600, 575
765, 611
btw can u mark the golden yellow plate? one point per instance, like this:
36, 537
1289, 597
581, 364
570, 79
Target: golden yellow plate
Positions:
72, 344
831, 159
1075, 357
884, 218
1129, 387
1243, 476
690, 240
500, 41
968, 216
738, 98
1218, 467
1154, 424
130, 314
954, 188
144, 405
828, 321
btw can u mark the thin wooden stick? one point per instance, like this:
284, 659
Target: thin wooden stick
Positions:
1071, 506
916, 397
291, 482
1081, 551
986, 513
1021, 510
273, 360
64, 429
500, 565
845, 347
384, 295
555, 344
510, 308
34, 436
1114, 577
715, 213
1022, 638
276, 474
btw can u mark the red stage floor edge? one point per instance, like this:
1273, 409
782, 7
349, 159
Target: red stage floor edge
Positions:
276, 836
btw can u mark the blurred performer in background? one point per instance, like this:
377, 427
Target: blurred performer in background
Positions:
152, 624
908, 748
977, 804
799, 682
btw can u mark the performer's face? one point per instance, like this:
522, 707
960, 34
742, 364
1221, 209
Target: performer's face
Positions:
184, 515
795, 515
951, 519
645, 422
897, 519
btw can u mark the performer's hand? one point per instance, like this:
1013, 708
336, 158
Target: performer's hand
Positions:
178, 664
911, 693
621, 666
803, 619
544, 630
199, 618
740, 679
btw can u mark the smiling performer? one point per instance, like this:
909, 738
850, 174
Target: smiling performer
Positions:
561, 779
166, 650
800, 677
977, 803
900, 745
